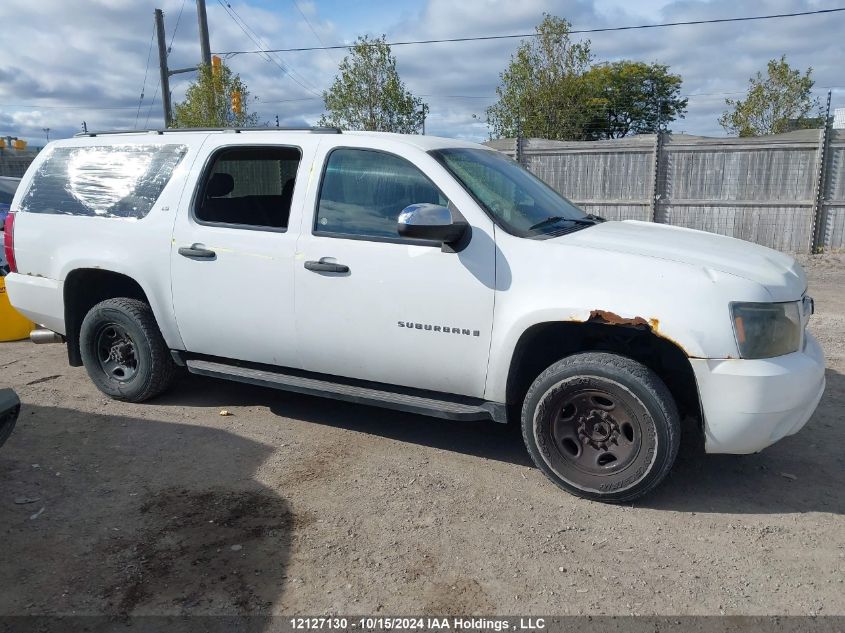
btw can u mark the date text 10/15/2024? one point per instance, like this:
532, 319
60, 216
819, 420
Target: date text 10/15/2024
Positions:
417, 624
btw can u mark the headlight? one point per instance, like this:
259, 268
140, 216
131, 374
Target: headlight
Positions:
764, 330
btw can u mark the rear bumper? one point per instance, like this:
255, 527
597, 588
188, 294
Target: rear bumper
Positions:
39, 299
751, 404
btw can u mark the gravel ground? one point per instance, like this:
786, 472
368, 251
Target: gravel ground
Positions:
298, 505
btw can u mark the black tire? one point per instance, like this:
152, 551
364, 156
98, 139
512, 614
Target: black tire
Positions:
123, 350
601, 426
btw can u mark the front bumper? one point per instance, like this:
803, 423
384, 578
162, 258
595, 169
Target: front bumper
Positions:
751, 404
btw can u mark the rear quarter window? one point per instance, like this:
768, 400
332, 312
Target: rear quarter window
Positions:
107, 181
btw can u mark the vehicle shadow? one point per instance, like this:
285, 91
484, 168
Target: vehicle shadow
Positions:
118, 516
480, 438
801, 473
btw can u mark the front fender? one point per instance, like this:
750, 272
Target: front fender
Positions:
687, 305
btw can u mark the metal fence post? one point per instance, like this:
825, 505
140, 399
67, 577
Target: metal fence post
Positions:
819, 221
656, 194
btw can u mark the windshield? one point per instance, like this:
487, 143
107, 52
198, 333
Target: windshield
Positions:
522, 203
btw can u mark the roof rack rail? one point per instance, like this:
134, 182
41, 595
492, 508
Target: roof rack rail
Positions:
234, 130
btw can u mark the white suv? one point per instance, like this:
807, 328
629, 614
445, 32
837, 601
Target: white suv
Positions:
418, 273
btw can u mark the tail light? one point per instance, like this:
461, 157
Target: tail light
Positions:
9, 242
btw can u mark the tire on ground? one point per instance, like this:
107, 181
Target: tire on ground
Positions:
601, 426
153, 366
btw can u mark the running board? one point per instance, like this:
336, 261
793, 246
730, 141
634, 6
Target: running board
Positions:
457, 408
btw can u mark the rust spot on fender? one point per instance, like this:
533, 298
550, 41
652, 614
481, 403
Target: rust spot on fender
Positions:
611, 318
606, 317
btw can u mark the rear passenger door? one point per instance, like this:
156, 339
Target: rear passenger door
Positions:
233, 249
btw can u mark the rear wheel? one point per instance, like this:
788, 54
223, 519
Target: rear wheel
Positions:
601, 426
123, 350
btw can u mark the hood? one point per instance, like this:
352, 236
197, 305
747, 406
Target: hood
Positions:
780, 274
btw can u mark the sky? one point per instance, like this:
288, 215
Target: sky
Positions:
69, 61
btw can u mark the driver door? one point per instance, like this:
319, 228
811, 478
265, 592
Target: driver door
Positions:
405, 312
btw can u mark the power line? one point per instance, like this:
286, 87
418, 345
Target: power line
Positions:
256, 39
49, 107
152, 103
293, 100
175, 28
522, 35
146, 71
311, 26
288, 69
436, 96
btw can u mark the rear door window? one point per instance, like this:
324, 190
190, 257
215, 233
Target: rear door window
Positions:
108, 181
249, 187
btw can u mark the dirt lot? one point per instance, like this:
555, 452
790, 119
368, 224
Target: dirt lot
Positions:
300, 505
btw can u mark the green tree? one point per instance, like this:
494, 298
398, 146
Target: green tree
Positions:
368, 94
209, 101
542, 91
776, 103
630, 97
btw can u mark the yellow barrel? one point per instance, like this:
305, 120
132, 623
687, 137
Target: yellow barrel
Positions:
13, 325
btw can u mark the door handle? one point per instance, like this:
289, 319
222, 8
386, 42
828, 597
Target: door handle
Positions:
196, 251
323, 266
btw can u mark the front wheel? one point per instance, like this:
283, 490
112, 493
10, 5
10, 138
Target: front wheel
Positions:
601, 426
123, 350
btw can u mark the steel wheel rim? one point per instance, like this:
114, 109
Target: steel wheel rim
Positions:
596, 432
116, 353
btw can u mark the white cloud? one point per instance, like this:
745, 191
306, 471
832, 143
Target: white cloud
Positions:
69, 63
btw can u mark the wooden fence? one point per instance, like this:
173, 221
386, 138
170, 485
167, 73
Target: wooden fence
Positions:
785, 191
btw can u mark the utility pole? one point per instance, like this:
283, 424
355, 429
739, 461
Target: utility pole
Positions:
162, 67
205, 47
205, 53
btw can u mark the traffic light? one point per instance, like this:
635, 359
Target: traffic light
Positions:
236, 101
215, 67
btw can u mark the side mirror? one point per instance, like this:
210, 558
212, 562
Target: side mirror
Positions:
431, 222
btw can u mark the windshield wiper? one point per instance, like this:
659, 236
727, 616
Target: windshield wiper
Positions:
554, 219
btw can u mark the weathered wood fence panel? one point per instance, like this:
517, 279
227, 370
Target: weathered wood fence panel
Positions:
762, 189
832, 233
